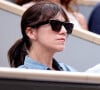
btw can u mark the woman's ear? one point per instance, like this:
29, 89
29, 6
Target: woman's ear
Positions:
31, 33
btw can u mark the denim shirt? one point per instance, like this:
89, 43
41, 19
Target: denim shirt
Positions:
32, 64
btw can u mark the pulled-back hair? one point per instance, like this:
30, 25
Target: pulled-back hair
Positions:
39, 12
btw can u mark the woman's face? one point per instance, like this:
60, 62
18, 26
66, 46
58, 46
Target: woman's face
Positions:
50, 39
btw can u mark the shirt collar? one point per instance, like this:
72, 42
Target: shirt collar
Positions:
56, 65
32, 64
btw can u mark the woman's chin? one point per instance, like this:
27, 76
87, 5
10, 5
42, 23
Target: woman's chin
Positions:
60, 49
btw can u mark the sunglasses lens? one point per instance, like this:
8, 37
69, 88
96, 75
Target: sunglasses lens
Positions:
69, 27
56, 25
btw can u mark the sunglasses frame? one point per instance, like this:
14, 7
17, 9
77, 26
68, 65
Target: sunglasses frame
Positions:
68, 26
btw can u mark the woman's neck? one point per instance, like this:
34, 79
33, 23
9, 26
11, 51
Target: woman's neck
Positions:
42, 56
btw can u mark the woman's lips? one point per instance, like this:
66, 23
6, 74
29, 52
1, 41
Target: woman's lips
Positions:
61, 39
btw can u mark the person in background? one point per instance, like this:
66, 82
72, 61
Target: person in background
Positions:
94, 69
45, 28
68, 5
94, 20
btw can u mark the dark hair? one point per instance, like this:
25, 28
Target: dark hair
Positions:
68, 6
21, 2
39, 12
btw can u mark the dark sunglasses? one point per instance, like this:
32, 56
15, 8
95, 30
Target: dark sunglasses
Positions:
56, 25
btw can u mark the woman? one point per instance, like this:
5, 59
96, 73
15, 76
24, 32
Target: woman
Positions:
44, 28
70, 7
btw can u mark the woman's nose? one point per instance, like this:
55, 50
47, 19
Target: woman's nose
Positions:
63, 29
